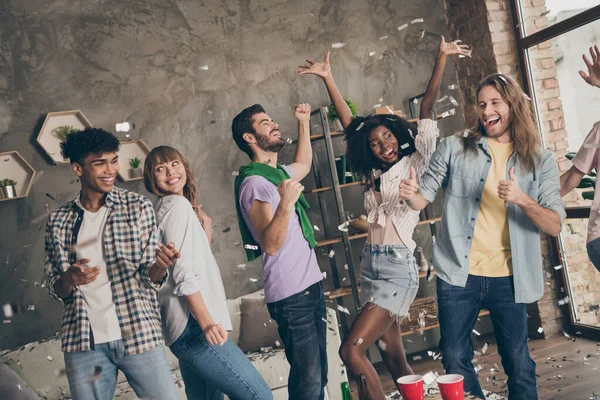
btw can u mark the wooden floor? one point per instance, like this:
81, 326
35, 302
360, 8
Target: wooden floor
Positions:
566, 369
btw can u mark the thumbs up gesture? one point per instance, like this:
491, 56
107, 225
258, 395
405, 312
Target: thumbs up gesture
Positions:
509, 190
408, 187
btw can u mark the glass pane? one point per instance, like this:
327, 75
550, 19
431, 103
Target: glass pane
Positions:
567, 109
539, 14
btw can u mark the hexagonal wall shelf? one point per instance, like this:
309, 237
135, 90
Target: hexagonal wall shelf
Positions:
14, 166
47, 137
131, 149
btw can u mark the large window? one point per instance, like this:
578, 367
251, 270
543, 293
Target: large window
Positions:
552, 36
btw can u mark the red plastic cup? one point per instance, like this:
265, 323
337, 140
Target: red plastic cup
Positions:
411, 387
451, 387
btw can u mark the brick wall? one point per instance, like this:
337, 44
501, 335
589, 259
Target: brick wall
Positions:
487, 25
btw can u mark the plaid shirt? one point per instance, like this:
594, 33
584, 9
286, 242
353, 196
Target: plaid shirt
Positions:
130, 239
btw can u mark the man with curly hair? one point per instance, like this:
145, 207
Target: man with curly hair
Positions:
105, 264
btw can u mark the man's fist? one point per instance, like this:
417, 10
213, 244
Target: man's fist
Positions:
302, 112
289, 191
409, 187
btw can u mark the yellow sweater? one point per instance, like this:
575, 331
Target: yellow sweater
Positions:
490, 252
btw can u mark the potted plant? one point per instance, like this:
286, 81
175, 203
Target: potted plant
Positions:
63, 131
136, 168
333, 117
588, 181
9, 188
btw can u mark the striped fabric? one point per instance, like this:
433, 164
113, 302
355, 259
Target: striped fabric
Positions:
130, 239
392, 207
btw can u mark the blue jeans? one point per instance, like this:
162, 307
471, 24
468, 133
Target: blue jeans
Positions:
458, 310
209, 371
302, 325
593, 249
92, 374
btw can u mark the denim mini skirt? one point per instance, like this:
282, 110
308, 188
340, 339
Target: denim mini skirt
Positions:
389, 278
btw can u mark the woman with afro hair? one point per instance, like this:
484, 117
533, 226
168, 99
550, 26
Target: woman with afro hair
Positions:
383, 149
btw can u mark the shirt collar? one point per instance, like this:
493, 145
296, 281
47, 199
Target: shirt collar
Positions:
112, 198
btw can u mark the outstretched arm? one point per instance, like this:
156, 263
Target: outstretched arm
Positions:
323, 70
445, 50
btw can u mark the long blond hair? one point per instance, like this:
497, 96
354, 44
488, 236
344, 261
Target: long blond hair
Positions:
163, 154
523, 129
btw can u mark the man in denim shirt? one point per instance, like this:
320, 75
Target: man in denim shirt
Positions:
502, 189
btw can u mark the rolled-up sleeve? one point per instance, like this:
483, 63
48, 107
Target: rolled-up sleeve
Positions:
175, 225
549, 186
437, 171
149, 240
52, 269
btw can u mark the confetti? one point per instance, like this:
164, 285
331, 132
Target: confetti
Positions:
50, 196
453, 101
331, 253
6, 321
226, 230
466, 133
316, 228
377, 105
289, 141
448, 113
359, 341
416, 20
417, 358
540, 330
343, 309
453, 87
502, 78
461, 56
346, 267
8, 311
381, 344
403, 26
31, 307
204, 67
441, 99
371, 53
563, 301
383, 38
277, 343
250, 247
338, 45
324, 273
344, 227
477, 333
235, 173
241, 266
50, 358
485, 347
429, 378
253, 280
404, 146
360, 126
558, 267
422, 35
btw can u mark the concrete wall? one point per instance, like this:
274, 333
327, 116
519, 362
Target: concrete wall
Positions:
139, 61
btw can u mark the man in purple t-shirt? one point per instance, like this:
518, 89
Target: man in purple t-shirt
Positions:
292, 278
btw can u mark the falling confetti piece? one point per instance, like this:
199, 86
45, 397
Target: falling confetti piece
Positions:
540, 329
477, 333
250, 247
204, 67
461, 56
324, 273
441, 99
289, 141
31, 307
417, 358
371, 53
344, 227
50, 358
346, 267
338, 45
423, 35
331, 253
8, 311
343, 309
316, 228
416, 20
377, 105
235, 173
383, 38
485, 348
277, 343
253, 280
403, 26
415, 101
50, 196
381, 344
453, 101
360, 126
448, 113
241, 266
563, 301
558, 267
404, 146
359, 341
452, 87
503, 79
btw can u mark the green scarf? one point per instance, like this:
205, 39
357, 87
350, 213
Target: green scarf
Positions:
275, 176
